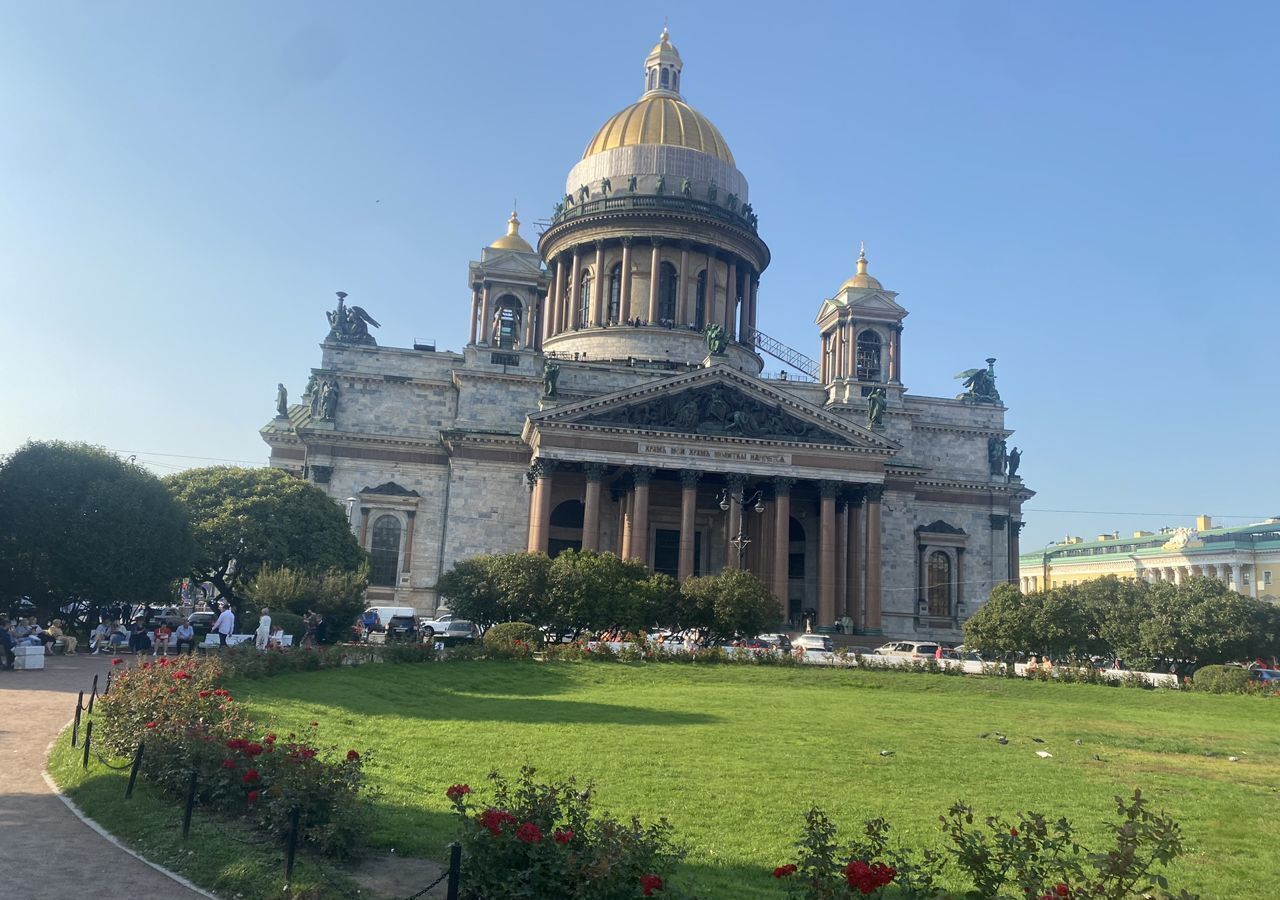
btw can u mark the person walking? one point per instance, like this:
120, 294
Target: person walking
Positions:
263, 635
225, 624
310, 621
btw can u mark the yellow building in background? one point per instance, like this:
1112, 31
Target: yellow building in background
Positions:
1247, 557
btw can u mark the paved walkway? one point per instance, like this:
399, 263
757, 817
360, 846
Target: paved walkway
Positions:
61, 856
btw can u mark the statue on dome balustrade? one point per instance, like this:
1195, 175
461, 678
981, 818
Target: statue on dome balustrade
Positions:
716, 339
631, 184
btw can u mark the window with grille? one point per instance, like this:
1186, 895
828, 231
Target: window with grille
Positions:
939, 590
385, 565
869, 356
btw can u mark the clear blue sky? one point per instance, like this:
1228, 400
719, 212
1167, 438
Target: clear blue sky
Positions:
1086, 191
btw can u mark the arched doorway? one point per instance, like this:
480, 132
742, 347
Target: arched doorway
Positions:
566, 527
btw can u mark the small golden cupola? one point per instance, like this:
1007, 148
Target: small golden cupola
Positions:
512, 240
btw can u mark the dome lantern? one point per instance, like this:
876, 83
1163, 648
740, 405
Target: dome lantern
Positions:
662, 68
512, 239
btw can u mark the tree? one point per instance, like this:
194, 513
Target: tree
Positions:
1202, 619
336, 595
244, 519
589, 590
1004, 624
78, 523
733, 604
470, 593
519, 580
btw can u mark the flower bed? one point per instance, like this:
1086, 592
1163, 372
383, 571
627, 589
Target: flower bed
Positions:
190, 723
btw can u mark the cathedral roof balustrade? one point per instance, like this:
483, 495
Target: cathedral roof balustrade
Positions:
656, 203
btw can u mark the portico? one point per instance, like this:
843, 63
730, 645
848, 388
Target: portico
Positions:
715, 470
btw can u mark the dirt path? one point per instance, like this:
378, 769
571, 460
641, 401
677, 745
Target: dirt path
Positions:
62, 857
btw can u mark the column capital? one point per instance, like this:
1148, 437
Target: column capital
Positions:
595, 471
686, 244
540, 468
642, 474
873, 493
736, 481
626, 240
689, 477
657, 241
782, 485
830, 489
598, 243
999, 522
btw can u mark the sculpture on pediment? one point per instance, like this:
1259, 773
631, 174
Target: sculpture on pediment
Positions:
282, 401
1015, 460
877, 400
716, 410
980, 384
997, 455
550, 376
350, 324
717, 341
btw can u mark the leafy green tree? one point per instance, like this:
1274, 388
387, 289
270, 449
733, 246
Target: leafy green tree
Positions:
1119, 606
1202, 619
589, 590
79, 524
1004, 624
520, 582
337, 595
244, 519
733, 604
469, 591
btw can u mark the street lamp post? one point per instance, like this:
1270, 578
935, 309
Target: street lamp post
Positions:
740, 541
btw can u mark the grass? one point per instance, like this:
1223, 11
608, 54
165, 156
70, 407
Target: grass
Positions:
218, 855
734, 755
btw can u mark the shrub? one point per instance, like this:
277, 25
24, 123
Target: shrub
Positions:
512, 639
1033, 858
1222, 679
544, 840
189, 723
289, 623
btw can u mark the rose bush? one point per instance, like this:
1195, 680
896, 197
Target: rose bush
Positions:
535, 839
191, 724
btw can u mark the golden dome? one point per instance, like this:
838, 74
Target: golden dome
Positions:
862, 279
660, 119
512, 240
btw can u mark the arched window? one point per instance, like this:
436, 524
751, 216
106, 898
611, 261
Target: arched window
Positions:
615, 293
675, 81
566, 527
869, 356
584, 300
668, 288
385, 551
506, 322
939, 589
666, 77
653, 79
700, 307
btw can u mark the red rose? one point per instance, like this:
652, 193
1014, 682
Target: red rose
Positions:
784, 871
1062, 890
117, 661
494, 819
151, 724
252, 796
529, 833
1013, 831
563, 835
180, 675
271, 738
649, 884
228, 764
204, 694
458, 790
352, 756
235, 743
307, 753
146, 665
252, 749
250, 777
165, 661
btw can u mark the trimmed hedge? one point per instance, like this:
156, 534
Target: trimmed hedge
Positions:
512, 638
1222, 679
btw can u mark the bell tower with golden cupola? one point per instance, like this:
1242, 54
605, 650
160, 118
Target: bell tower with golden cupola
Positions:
861, 350
508, 285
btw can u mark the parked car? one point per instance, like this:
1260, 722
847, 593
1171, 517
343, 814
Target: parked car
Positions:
962, 653
771, 642
1265, 674
454, 631
202, 622
813, 643
428, 627
908, 650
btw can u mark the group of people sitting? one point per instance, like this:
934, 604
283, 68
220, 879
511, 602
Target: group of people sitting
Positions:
27, 632
109, 637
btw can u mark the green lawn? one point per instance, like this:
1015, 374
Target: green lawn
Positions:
734, 755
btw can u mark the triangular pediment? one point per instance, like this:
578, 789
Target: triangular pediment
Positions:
717, 402
871, 303
513, 261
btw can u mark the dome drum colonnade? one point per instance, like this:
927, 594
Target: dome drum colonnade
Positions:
847, 546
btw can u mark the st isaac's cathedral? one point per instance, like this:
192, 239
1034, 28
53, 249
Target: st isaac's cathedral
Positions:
611, 397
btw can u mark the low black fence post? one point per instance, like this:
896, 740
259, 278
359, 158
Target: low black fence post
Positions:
133, 773
88, 739
75, 727
94, 694
291, 843
107, 687
191, 802
455, 870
